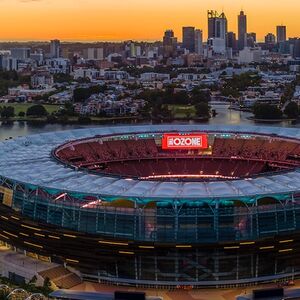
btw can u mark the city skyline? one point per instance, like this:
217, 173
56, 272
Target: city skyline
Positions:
92, 20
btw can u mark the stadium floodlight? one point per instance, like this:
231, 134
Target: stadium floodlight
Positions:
60, 196
91, 204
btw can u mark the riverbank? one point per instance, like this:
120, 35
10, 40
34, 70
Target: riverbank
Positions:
12, 129
273, 120
99, 120
71, 120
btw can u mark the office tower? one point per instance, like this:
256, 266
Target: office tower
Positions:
217, 25
188, 38
295, 47
93, 54
281, 33
252, 35
270, 38
132, 49
138, 50
251, 40
55, 48
231, 41
20, 53
169, 44
242, 30
199, 41
217, 31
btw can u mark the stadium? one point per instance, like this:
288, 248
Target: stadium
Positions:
157, 205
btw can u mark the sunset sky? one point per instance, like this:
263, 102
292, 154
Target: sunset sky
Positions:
106, 20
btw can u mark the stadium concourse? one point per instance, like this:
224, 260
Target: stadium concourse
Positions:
166, 206
242, 293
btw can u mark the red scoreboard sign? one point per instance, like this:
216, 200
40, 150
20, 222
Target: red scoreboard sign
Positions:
191, 141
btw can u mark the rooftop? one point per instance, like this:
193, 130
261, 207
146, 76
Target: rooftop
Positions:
29, 160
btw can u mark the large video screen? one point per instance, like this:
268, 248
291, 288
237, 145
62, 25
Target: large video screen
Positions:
177, 141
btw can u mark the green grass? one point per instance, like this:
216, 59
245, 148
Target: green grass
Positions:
22, 107
182, 111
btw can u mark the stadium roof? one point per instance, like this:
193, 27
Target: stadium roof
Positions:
29, 160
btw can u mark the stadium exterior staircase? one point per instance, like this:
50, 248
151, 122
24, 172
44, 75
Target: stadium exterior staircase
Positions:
61, 277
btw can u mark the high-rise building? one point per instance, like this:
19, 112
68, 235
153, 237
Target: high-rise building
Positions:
270, 39
251, 39
199, 41
20, 53
242, 30
55, 48
169, 44
281, 33
295, 47
231, 41
217, 25
249, 55
93, 54
188, 38
252, 35
217, 31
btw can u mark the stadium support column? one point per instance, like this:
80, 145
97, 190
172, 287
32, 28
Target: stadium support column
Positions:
216, 264
176, 212
197, 261
136, 268
117, 269
216, 251
257, 216
137, 220
294, 212
237, 265
155, 267
177, 255
216, 220
256, 265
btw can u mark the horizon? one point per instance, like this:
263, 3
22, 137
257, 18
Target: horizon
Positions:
116, 21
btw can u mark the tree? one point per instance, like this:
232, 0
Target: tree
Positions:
67, 110
267, 111
21, 114
37, 110
61, 78
7, 112
82, 94
11, 79
47, 283
202, 110
292, 110
239, 83
288, 93
33, 280
200, 95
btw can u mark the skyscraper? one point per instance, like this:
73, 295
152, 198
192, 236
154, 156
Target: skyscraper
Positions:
251, 39
270, 39
231, 41
217, 25
217, 31
242, 30
198, 41
169, 44
55, 48
188, 38
20, 53
281, 33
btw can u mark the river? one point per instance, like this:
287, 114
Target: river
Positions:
225, 116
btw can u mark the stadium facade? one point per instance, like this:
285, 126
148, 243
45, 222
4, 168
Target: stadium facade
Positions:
157, 205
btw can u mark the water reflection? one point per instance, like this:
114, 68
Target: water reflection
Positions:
225, 116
